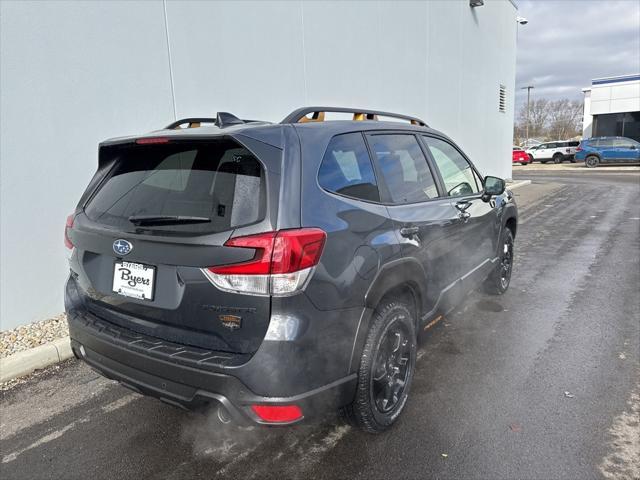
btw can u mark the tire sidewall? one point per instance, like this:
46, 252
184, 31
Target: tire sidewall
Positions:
391, 313
595, 162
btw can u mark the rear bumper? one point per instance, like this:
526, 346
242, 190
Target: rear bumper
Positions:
110, 350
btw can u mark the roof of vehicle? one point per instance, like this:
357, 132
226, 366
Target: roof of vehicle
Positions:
607, 137
271, 133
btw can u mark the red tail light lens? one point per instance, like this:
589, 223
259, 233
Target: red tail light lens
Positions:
286, 251
281, 265
152, 140
579, 149
296, 250
261, 262
278, 413
68, 225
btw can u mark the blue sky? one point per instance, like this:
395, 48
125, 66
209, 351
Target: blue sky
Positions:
569, 42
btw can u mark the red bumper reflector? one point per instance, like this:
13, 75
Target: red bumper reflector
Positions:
277, 413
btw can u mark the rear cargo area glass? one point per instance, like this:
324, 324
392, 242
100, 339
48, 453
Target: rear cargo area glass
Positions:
219, 182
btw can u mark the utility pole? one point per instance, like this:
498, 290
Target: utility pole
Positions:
528, 89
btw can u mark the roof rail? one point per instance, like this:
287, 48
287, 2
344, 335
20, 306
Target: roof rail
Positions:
193, 122
318, 115
222, 120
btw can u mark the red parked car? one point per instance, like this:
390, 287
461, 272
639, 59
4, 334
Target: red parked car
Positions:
520, 156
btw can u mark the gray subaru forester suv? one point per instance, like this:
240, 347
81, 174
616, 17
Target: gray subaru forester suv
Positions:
279, 271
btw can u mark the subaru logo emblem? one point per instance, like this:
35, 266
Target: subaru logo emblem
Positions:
122, 247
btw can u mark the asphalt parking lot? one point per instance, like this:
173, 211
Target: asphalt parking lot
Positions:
541, 383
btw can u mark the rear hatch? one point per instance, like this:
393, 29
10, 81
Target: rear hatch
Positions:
159, 216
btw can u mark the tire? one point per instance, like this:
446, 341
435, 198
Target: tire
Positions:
591, 161
498, 281
558, 158
524, 164
530, 158
386, 369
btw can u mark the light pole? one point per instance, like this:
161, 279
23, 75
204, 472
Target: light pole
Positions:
528, 89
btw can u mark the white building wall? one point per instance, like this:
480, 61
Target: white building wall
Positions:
587, 118
74, 73
615, 97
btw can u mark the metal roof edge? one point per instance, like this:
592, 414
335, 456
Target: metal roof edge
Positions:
620, 78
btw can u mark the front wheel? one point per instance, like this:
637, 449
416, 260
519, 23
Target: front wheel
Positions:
498, 281
557, 158
386, 369
591, 161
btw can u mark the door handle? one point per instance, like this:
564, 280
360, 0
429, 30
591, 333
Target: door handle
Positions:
462, 205
409, 231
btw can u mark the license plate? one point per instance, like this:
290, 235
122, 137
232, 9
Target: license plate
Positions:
134, 280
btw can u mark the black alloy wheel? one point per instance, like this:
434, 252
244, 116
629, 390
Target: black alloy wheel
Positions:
498, 281
386, 369
391, 367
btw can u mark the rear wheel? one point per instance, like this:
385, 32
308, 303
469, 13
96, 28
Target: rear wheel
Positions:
557, 158
386, 368
524, 163
591, 161
498, 281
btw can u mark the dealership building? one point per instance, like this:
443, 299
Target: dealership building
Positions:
612, 107
75, 73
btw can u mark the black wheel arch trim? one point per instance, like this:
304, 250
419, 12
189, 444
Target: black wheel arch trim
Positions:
402, 272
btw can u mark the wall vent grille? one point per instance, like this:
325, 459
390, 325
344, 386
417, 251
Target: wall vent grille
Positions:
502, 99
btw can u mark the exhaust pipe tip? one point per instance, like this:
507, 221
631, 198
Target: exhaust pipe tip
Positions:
223, 415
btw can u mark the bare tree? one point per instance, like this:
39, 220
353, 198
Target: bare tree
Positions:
549, 120
538, 116
564, 118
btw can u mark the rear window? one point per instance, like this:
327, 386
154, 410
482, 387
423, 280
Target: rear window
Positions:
213, 187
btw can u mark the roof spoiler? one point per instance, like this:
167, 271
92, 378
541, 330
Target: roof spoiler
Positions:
318, 114
222, 120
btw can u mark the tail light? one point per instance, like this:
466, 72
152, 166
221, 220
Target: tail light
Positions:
68, 226
282, 264
579, 149
277, 413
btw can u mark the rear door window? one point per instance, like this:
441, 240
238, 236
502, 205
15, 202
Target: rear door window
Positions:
403, 167
346, 168
182, 187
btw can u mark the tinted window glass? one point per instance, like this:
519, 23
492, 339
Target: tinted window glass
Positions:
346, 168
624, 142
220, 182
605, 142
404, 168
574, 144
459, 178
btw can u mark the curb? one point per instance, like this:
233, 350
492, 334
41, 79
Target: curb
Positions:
27, 361
519, 184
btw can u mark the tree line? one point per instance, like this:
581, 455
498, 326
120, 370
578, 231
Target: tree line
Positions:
549, 120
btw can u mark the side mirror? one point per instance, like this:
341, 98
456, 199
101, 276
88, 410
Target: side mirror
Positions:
492, 186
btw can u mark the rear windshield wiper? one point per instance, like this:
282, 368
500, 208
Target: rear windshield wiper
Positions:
166, 219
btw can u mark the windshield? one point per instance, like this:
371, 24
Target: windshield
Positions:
182, 187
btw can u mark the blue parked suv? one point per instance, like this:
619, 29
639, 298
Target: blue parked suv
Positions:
597, 150
279, 271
